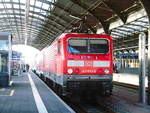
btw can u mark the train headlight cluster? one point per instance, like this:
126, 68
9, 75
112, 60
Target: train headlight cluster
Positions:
106, 71
73, 71
70, 71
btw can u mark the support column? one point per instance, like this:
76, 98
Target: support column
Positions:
142, 69
27, 7
145, 4
148, 93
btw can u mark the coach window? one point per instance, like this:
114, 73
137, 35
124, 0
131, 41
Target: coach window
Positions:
59, 46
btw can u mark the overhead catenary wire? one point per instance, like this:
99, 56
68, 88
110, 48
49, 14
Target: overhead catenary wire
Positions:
75, 20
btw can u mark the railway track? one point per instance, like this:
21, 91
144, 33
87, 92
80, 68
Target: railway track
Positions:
126, 85
104, 105
90, 108
99, 105
112, 104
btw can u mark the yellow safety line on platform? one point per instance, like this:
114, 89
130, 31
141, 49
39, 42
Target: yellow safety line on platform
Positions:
2, 89
11, 92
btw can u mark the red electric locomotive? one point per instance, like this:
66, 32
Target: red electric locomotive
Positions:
79, 62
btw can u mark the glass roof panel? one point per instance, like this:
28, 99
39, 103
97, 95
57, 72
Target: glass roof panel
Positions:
37, 10
45, 6
42, 17
141, 24
9, 11
1, 5
17, 11
23, 1
38, 4
14, 14
32, 2
7, 0
22, 6
11, 15
8, 6
44, 12
31, 8
35, 15
15, 1
4, 15
16, 6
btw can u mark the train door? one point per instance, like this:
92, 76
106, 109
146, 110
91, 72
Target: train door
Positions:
56, 63
59, 77
58, 60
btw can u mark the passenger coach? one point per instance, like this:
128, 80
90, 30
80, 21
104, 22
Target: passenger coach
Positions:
78, 62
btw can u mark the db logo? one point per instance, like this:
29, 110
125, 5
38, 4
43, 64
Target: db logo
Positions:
88, 63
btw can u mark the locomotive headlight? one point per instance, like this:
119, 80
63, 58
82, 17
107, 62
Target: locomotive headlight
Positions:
106, 71
70, 71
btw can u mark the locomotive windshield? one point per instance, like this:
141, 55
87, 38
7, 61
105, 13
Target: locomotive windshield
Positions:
88, 45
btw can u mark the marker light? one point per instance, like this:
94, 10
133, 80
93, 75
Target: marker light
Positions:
70, 71
106, 71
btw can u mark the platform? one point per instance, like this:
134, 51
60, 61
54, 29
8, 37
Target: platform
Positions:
28, 94
129, 76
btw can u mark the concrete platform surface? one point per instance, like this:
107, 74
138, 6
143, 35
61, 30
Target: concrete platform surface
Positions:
129, 78
28, 94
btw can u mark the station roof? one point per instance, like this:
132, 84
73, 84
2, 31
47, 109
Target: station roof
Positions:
43, 20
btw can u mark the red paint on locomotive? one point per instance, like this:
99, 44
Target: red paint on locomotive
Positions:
71, 58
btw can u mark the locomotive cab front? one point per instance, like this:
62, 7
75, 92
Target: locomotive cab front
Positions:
89, 63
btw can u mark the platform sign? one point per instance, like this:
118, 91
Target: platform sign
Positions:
16, 57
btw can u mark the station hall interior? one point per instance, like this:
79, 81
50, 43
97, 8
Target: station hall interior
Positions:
60, 56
